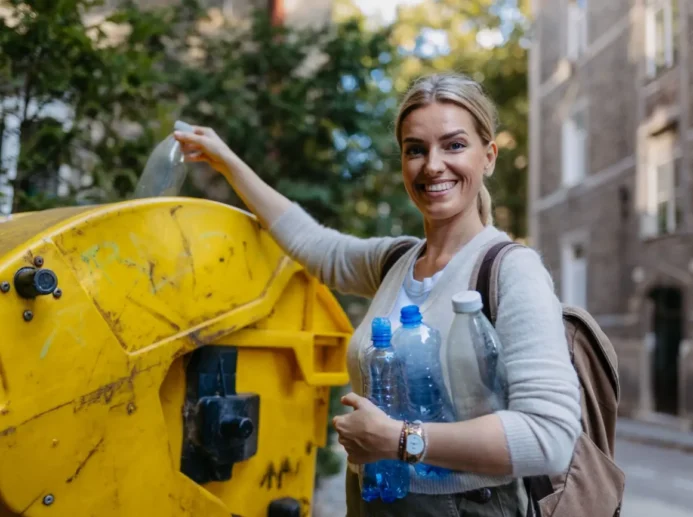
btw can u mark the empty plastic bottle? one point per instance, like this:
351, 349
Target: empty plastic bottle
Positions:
479, 356
382, 372
166, 168
428, 400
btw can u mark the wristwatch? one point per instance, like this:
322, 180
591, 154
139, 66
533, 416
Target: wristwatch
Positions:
412, 444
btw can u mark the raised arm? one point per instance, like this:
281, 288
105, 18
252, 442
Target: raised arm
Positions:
204, 145
343, 262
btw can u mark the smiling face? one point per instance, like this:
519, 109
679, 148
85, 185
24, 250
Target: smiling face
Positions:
444, 160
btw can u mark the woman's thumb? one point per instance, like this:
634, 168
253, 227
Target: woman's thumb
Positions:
352, 400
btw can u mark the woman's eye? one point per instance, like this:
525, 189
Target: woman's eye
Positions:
456, 146
414, 150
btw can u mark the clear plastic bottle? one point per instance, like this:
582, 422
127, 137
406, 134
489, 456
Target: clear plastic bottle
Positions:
428, 400
166, 168
382, 372
480, 356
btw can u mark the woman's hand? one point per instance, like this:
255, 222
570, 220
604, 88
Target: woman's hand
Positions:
204, 145
367, 433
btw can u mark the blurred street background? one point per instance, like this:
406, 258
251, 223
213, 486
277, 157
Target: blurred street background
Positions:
595, 167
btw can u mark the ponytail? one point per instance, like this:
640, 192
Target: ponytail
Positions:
485, 206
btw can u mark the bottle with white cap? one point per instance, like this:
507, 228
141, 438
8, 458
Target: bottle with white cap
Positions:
166, 168
474, 347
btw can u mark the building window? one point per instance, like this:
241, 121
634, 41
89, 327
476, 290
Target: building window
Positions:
660, 35
664, 213
574, 155
576, 30
574, 272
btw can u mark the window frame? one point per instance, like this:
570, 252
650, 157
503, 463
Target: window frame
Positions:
571, 173
568, 271
576, 33
652, 10
662, 154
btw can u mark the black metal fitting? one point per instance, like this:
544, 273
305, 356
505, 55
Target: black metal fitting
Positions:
31, 282
222, 425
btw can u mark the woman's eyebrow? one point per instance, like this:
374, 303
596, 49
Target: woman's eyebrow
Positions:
451, 134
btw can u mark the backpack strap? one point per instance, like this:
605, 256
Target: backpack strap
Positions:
393, 255
484, 277
485, 281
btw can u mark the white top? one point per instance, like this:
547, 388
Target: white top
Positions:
412, 292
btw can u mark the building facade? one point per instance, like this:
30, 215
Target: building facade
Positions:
611, 183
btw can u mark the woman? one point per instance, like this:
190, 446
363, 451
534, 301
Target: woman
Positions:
445, 129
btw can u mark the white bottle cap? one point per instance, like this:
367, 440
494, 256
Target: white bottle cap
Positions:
183, 127
466, 302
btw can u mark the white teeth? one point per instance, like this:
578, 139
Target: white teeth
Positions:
440, 187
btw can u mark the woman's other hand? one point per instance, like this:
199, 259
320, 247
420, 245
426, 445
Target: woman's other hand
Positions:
204, 145
367, 433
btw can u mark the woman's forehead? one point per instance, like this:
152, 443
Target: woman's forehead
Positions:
437, 119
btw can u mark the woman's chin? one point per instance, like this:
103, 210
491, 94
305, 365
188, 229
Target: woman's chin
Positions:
441, 211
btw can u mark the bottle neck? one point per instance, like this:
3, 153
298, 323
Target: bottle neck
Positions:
411, 325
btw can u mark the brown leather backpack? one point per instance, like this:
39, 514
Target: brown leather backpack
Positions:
593, 485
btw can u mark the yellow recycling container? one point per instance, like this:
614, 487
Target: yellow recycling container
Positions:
160, 358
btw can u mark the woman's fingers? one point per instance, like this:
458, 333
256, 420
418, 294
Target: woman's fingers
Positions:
205, 131
190, 138
195, 156
190, 149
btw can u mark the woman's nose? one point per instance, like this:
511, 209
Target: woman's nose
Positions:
434, 163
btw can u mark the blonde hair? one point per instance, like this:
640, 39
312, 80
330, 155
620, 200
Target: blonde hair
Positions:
464, 92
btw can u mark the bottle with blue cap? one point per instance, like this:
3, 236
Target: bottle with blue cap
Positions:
381, 370
166, 168
478, 354
427, 398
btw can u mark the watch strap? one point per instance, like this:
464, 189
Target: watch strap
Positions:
413, 432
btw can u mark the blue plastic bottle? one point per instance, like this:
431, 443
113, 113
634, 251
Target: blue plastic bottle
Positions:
382, 372
428, 400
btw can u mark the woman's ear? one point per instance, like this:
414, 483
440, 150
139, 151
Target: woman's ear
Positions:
491, 155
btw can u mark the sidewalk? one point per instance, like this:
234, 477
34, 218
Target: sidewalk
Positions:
329, 499
654, 434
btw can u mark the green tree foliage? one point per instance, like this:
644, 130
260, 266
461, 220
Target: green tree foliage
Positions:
484, 39
281, 98
84, 92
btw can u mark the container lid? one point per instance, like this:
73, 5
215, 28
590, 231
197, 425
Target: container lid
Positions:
410, 315
466, 302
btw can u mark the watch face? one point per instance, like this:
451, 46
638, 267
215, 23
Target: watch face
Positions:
415, 444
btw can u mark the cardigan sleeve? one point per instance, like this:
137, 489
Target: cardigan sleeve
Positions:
343, 262
542, 422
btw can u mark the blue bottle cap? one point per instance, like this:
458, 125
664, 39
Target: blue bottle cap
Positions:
381, 329
410, 315
381, 332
